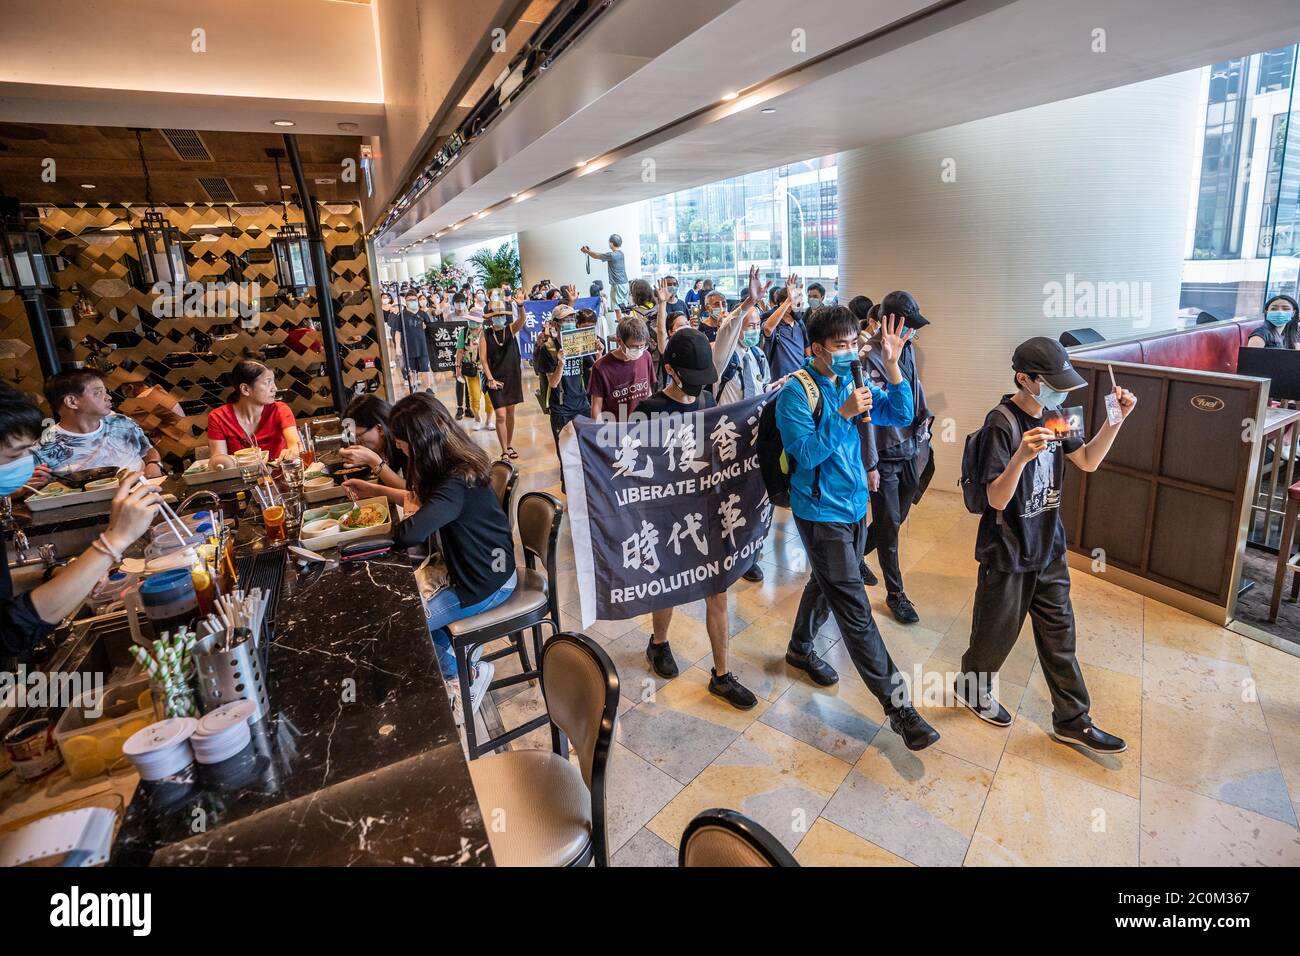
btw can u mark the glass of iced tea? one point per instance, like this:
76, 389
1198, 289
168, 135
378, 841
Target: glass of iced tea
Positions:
273, 518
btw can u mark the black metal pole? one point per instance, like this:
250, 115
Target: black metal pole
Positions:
42, 335
321, 271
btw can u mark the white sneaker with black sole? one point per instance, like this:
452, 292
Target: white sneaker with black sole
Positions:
483, 672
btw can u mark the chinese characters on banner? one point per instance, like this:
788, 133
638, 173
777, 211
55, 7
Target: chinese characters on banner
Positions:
538, 312
442, 352
663, 511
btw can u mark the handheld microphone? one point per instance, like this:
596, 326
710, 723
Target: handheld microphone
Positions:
856, 368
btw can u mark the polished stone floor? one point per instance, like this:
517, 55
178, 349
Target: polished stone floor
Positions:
1211, 777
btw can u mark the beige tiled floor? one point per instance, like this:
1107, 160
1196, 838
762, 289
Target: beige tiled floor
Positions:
1212, 774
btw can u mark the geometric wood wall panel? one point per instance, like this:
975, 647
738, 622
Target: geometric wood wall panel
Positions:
168, 372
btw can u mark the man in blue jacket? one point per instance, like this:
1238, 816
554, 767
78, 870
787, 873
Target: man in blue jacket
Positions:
828, 495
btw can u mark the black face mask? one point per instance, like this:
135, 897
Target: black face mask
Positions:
691, 390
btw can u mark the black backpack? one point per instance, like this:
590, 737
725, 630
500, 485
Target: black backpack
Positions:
973, 491
775, 466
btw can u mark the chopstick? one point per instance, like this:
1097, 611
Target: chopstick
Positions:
174, 522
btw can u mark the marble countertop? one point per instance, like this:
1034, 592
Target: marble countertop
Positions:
359, 763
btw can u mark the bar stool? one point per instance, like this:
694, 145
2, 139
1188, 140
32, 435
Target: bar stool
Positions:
725, 838
532, 604
1285, 561
554, 812
503, 478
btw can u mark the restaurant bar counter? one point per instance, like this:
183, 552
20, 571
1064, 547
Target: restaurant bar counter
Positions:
359, 762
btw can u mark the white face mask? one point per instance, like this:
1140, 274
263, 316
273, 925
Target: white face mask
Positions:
633, 353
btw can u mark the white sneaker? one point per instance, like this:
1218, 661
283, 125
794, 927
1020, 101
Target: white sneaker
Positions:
483, 672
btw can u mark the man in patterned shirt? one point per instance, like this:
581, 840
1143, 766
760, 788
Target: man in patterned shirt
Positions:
89, 434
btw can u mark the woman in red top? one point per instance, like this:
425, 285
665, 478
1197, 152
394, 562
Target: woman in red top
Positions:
253, 411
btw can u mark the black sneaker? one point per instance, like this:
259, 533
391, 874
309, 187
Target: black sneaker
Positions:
460, 413
911, 726
983, 706
731, 690
821, 672
1083, 733
901, 608
660, 657
755, 572
869, 579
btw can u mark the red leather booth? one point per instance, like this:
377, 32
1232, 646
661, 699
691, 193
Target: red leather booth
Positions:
1204, 348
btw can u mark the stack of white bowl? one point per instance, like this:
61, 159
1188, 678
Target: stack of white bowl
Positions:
223, 732
163, 748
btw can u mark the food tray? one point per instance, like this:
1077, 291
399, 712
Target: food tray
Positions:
192, 478
321, 542
44, 502
99, 740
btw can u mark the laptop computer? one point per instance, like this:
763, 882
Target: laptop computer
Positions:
1280, 366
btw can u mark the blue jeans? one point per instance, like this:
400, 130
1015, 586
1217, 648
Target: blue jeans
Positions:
445, 607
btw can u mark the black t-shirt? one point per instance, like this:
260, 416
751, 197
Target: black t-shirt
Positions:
476, 542
571, 395
660, 404
1031, 535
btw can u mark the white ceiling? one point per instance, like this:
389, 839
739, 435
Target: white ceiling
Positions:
957, 62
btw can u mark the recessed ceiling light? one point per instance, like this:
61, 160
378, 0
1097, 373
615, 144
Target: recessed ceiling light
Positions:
514, 195
283, 122
522, 196
458, 225
484, 213
727, 97
769, 111
286, 187
581, 164
349, 127
87, 185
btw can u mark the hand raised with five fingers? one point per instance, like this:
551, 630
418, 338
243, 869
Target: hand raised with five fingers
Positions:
893, 336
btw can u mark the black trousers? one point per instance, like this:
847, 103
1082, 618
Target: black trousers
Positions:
462, 400
835, 587
889, 508
1002, 599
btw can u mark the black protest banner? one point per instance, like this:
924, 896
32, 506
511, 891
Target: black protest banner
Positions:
442, 355
663, 511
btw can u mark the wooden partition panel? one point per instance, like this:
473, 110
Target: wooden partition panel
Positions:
1169, 503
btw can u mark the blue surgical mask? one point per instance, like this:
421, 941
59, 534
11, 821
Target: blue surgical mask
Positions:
842, 362
499, 321
16, 474
1278, 318
569, 326
751, 338
1049, 397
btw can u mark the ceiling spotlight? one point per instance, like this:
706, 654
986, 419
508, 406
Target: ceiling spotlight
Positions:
522, 196
458, 225
87, 185
514, 195
483, 214
349, 127
286, 187
728, 97
581, 164
769, 111
285, 123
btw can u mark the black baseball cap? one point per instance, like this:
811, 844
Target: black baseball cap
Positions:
903, 304
1047, 359
691, 357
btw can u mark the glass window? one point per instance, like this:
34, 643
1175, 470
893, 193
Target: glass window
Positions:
781, 220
